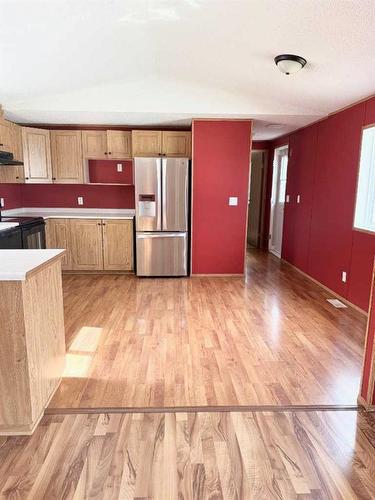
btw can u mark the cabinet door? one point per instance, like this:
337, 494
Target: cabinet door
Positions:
86, 244
66, 152
11, 174
119, 144
6, 142
176, 144
146, 142
58, 236
36, 155
118, 245
17, 141
94, 143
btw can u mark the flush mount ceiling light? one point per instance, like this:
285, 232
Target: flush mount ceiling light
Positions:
289, 63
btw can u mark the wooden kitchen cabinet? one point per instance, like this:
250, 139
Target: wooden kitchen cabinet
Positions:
161, 143
12, 174
37, 155
176, 144
86, 242
119, 144
66, 153
17, 141
146, 142
117, 244
58, 236
94, 144
6, 136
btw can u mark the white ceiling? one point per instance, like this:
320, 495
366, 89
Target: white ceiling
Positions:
163, 62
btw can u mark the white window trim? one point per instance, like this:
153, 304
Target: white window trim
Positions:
364, 211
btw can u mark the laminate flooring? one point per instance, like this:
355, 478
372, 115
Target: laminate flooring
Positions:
270, 338
201, 456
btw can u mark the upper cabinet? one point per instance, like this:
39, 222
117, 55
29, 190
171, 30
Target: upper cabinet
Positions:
106, 144
66, 152
119, 144
161, 143
36, 155
6, 136
146, 142
17, 141
94, 144
176, 144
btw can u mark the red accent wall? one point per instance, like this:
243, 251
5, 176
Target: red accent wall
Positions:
260, 145
12, 194
318, 233
221, 159
65, 196
105, 171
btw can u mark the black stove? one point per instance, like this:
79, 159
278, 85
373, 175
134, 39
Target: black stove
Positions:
32, 230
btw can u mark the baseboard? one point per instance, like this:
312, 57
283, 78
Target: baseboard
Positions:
363, 404
335, 294
127, 273
240, 275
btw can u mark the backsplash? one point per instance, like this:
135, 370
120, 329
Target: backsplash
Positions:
65, 196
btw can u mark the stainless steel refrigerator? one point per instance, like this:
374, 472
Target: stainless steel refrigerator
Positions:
161, 196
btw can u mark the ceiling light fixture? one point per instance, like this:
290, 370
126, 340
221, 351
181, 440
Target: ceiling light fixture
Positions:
289, 63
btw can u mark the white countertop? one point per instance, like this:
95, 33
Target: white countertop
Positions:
15, 265
8, 225
71, 213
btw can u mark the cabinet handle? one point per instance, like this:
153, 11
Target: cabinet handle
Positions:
53, 178
109, 153
17, 177
99, 224
1, 144
105, 152
27, 178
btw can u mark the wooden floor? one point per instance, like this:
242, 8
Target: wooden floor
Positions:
242, 456
269, 339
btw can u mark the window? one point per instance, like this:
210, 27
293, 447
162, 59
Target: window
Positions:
365, 205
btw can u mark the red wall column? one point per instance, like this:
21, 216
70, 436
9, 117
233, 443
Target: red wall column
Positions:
221, 164
367, 396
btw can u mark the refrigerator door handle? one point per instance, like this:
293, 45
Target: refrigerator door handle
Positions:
158, 207
145, 236
164, 192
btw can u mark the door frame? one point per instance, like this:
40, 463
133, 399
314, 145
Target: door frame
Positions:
262, 215
274, 195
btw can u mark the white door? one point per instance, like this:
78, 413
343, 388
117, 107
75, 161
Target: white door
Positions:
280, 168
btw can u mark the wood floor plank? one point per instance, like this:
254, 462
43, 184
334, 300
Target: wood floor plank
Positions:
269, 338
203, 456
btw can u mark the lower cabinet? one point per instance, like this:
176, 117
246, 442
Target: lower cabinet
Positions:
93, 244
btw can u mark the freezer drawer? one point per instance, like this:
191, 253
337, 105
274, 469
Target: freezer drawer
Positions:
161, 254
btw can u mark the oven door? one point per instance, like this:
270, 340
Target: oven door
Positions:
34, 236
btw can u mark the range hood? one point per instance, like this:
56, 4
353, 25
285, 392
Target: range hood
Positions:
7, 159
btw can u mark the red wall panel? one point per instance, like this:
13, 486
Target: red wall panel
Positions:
359, 284
297, 216
105, 171
334, 195
12, 195
65, 195
221, 159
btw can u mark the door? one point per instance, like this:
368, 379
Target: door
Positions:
66, 152
58, 236
94, 144
17, 141
119, 144
86, 244
279, 178
147, 172
162, 254
146, 142
175, 178
118, 245
6, 142
255, 198
37, 155
176, 144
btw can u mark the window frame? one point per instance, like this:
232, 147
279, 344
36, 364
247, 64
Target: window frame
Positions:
354, 227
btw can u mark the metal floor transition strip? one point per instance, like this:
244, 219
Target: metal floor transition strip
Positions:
202, 409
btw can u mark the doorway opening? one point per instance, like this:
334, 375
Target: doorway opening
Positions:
279, 177
256, 202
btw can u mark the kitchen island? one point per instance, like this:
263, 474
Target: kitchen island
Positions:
32, 340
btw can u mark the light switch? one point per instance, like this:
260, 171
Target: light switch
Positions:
119, 167
298, 198
2, 202
287, 198
343, 277
233, 201
80, 200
